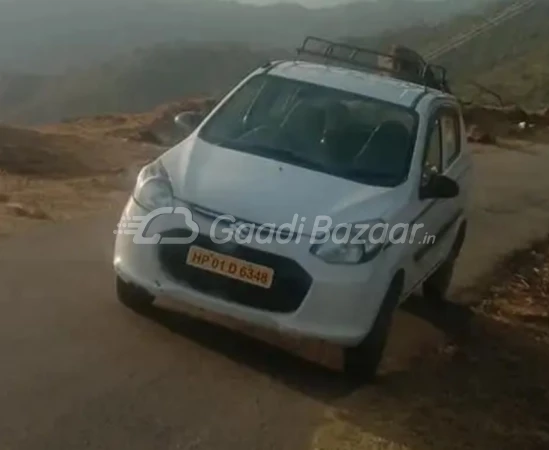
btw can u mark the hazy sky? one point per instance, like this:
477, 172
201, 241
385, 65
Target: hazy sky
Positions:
309, 3
313, 3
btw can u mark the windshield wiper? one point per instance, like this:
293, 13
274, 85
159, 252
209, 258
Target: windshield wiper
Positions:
290, 156
367, 177
261, 149
293, 157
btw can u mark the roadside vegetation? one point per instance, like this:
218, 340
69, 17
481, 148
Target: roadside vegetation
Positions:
485, 388
47, 177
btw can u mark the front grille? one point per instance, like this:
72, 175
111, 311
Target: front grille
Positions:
288, 290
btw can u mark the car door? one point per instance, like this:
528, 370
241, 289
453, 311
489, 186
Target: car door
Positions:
456, 165
441, 156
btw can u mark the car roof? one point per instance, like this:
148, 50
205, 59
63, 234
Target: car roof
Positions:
381, 87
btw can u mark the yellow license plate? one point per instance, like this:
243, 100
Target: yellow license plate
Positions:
230, 267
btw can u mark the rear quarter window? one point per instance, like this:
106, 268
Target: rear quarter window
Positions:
450, 125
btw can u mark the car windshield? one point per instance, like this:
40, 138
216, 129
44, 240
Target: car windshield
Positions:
320, 128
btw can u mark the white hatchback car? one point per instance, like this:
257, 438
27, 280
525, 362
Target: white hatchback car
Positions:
312, 199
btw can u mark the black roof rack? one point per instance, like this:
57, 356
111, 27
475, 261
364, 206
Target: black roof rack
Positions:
374, 61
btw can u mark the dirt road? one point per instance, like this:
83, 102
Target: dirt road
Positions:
78, 371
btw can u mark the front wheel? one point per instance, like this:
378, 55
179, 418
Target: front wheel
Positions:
133, 296
362, 361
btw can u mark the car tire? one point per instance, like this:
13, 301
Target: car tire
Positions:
435, 288
133, 296
362, 361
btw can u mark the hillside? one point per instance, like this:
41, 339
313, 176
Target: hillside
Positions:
38, 36
511, 59
133, 83
48, 176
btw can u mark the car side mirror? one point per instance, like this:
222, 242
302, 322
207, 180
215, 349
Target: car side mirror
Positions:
188, 120
439, 186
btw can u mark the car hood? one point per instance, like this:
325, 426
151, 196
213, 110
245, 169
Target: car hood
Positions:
265, 191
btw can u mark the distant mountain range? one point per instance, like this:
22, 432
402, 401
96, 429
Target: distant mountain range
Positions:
39, 36
511, 59
135, 82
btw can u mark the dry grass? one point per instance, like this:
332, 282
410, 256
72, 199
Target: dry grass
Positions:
486, 388
522, 301
51, 177
65, 170
32, 201
155, 126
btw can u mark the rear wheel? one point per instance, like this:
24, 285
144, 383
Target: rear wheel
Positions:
435, 288
362, 361
133, 296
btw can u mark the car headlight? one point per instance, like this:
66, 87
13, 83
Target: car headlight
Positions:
352, 244
153, 188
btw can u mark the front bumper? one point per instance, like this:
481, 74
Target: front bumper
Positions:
314, 299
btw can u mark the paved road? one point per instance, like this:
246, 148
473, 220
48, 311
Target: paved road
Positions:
79, 371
